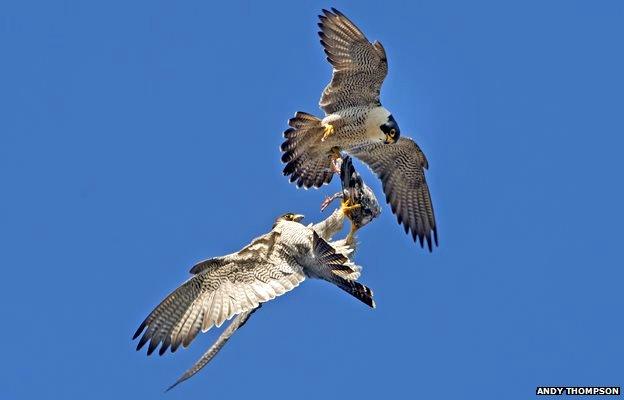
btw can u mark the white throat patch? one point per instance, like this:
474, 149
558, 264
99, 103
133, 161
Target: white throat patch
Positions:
376, 117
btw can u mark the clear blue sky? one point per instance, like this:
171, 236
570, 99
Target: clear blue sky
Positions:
136, 139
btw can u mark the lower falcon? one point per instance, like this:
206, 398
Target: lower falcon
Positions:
360, 214
223, 287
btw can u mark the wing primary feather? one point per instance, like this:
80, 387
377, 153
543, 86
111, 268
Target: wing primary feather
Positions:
400, 167
139, 330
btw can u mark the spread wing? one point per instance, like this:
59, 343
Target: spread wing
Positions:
236, 323
400, 166
360, 67
222, 287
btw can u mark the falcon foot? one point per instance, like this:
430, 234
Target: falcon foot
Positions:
347, 207
328, 130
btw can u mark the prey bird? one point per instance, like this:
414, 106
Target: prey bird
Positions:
355, 122
358, 200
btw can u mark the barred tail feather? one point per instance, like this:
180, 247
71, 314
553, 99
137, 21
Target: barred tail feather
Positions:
337, 269
306, 164
324, 253
356, 289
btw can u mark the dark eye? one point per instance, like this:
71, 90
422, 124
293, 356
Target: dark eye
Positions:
392, 132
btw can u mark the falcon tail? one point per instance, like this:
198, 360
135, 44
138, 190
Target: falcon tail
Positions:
306, 163
335, 267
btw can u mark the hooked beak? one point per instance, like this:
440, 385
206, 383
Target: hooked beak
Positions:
297, 217
389, 139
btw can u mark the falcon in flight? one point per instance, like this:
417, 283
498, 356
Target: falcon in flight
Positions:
238, 283
355, 122
355, 190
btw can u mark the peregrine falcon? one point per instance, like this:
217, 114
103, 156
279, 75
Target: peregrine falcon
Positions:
355, 122
226, 286
325, 230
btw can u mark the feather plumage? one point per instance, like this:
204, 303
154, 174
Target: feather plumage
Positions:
400, 167
223, 287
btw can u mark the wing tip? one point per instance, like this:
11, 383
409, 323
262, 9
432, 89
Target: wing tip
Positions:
431, 241
139, 330
176, 383
164, 346
152, 346
142, 341
417, 236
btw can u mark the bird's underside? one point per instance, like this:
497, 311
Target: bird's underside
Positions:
238, 284
399, 166
335, 255
223, 287
357, 124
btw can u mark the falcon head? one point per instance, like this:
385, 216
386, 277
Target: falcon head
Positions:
391, 129
288, 217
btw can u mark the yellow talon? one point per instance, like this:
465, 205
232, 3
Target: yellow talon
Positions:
346, 206
328, 130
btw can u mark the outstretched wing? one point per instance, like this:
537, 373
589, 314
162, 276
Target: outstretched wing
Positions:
360, 67
222, 288
236, 323
400, 166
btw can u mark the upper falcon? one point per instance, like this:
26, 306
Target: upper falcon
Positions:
355, 122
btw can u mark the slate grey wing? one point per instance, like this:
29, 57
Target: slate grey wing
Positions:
400, 166
359, 67
215, 294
